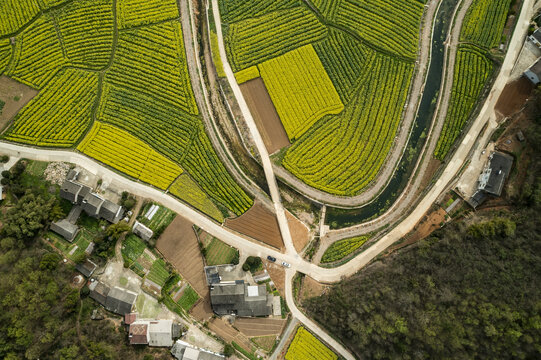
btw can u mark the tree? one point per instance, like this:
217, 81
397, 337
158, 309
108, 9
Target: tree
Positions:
229, 350
4, 159
115, 230
252, 263
80, 258
49, 261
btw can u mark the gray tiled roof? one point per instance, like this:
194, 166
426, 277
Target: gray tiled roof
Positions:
120, 301
233, 299
500, 166
65, 229
92, 203
111, 212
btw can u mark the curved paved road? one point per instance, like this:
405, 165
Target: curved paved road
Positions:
399, 144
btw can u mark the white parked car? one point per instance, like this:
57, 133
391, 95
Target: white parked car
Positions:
286, 264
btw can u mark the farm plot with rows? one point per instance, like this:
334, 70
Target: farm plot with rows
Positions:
338, 79
481, 31
342, 248
307, 347
156, 217
113, 82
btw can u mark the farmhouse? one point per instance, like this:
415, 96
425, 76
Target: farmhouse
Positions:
240, 299
73, 191
87, 268
117, 300
65, 229
151, 332
534, 72
142, 231
183, 351
493, 177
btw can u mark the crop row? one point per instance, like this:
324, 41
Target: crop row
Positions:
247, 74
484, 22
5, 54
252, 41
306, 346
327, 8
130, 155
16, 13
86, 29
38, 54
390, 25
152, 61
142, 12
342, 248
343, 154
300, 89
188, 191
472, 70
345, 61
236, 10
208, 171
61, 112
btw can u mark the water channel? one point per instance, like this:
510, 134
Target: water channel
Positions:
340, 218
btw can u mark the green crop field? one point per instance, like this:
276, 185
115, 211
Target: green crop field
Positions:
484, 22
187, 190
218, 253
300, 72
114, 70
161, 219
158, 273
188, 298
306, 346
341, 130
132, 248
472, 69
342, 248
482, 30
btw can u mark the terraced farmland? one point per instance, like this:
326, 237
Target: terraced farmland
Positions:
341, 130
125, 80
482, 30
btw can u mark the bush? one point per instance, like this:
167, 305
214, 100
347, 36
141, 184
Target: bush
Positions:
4, 159
229, 350
252, 263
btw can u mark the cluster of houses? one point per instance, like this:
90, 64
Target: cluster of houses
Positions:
83, 199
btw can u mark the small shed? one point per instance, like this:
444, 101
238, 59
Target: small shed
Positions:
87, 268
534, 72
65, 229
142, 231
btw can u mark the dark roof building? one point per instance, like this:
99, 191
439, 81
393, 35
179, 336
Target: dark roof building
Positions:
87, 268
73, 191
99, 291
92, 204
536, 38
111, 212
120, 301
240, 299
65, 229
493, 177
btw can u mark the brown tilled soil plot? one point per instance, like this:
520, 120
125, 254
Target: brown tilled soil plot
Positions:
265, 115
514, 96
202, 311
258, 223
299, 232
259, 326
16, 96
229, 334
179, 246
277, 275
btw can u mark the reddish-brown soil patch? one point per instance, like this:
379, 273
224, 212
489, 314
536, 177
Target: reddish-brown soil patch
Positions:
265, 115
10, 90
258, 223
202, 311
259, 326
514, 96
425, 227
299, 232
429, 173
311, 288
277, 275
178, 244
229, 334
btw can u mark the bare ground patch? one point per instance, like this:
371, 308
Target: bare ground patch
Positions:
514, 96
252, 327
258, 223
229, 334
265, 115
311, 288
277, 275
16, 96
299, 232
178, 244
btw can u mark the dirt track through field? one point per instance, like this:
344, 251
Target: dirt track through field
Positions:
266, 118
258, 223
178, 244
259, 326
